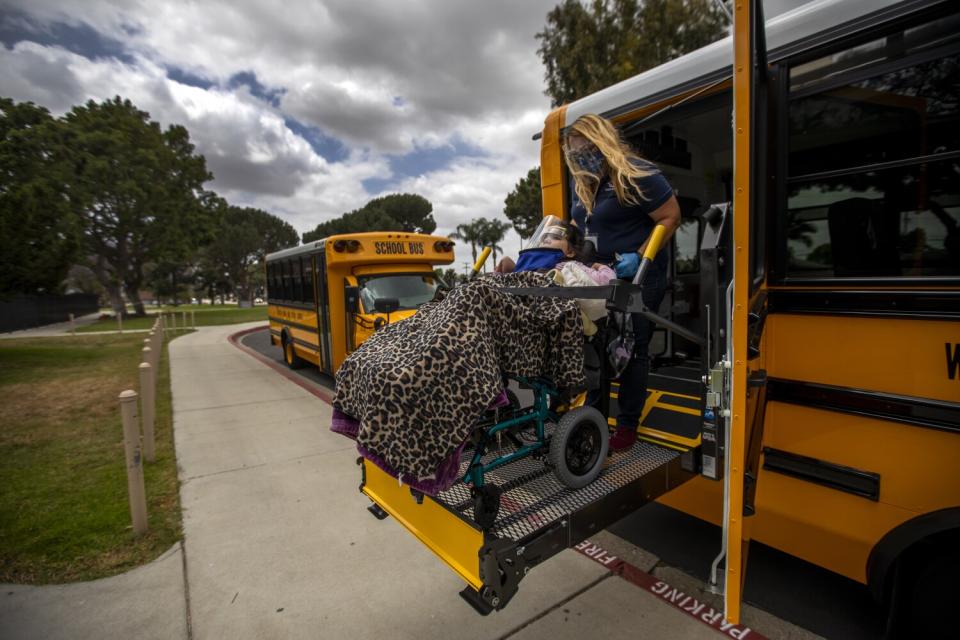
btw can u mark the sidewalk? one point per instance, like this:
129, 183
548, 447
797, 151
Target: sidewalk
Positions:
278, 542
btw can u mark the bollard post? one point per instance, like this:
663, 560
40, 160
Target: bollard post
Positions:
193, 319
148, 408
73, 327
131, 447
154, 349
173, 321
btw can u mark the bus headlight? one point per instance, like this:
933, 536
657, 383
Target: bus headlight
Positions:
442, 246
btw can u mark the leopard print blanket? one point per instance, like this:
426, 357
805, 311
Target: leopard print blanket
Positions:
417, 387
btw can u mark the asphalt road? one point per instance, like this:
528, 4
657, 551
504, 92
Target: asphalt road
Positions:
818, 600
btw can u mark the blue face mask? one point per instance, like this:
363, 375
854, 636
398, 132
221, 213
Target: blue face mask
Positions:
537, 259
590, 161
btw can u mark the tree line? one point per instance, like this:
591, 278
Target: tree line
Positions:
106, 198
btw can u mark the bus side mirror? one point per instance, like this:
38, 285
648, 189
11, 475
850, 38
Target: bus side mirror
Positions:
351, 299
386, 305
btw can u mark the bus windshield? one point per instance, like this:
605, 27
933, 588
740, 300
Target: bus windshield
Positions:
411, 291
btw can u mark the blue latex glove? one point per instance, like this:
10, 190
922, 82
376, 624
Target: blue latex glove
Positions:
627, 266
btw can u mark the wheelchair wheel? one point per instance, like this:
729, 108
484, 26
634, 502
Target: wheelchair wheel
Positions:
578, 447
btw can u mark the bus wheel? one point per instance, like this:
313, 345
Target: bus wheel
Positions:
928, 598
290, 354
578, 448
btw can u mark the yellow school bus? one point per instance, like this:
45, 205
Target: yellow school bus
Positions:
326, 297
829, 174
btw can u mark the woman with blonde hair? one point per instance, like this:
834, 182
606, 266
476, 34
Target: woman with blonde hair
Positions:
619, 198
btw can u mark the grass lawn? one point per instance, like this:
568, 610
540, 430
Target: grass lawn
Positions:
64, 509
205, 315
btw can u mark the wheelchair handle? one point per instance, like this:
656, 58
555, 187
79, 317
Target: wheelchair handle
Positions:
653, 247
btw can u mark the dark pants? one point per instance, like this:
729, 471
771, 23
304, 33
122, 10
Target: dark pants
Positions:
633, 381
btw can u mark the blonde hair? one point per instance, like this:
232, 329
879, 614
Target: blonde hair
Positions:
619, 158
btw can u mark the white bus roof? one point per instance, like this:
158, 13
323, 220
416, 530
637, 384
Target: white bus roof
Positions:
310, 247
784, 32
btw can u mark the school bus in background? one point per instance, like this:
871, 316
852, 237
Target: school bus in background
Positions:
852, 283
326, 297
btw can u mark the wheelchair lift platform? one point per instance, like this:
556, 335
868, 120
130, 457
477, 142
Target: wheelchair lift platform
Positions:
493, 537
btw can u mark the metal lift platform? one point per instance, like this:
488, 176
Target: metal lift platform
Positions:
537, 516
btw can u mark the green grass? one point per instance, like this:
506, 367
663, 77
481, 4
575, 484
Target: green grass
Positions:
205, 315
64, 510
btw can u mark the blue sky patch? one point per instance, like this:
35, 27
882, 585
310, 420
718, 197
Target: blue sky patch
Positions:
421, 161
331, 149
81, 39
377, 185
185, 77
249, 79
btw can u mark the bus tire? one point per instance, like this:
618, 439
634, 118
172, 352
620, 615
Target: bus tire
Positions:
578, 447
927, 597
290, 356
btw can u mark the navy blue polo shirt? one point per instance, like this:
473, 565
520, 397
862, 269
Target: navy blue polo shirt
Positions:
618, 228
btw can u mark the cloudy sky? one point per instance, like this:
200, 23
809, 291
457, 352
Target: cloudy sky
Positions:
307, 109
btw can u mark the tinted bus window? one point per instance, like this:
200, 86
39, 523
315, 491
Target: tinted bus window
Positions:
307, 280
874, 159
297, 280
895, 222
287, 280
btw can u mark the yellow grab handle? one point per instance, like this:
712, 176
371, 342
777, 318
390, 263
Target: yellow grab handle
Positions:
653, 246
483, 258
656, 239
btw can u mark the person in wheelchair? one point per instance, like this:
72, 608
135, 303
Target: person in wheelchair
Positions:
557, 244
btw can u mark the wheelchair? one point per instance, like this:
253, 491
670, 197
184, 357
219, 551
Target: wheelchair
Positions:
571, 436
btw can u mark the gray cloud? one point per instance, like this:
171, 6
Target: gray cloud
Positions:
448, 61
29, 74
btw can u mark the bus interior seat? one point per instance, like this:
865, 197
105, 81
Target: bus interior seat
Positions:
863, 238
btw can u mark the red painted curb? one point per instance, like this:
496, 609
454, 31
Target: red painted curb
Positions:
284, 371
674, 597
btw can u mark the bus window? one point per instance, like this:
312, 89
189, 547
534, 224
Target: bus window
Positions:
297, 280
410, 290
307, 279
282, 276
687, 239
873, 189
